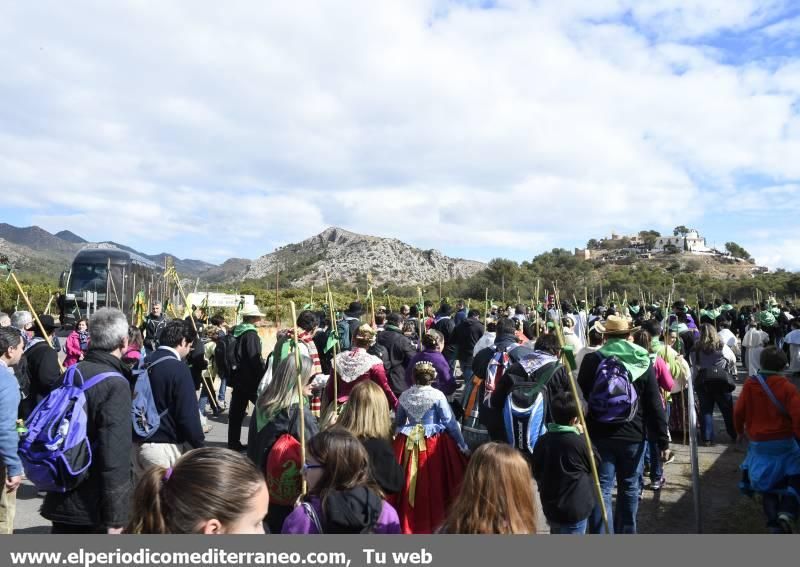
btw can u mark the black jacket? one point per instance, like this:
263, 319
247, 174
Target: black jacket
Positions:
446, 326
251, 366
649, 418
385, 470
151, 330
464, 337
562, 471
173, 390
103, 499
259, 443
44, 371
399, 352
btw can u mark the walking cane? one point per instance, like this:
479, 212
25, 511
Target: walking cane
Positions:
35, 316
300, 396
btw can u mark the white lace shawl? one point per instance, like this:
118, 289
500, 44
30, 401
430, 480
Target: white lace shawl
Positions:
417, 400
353, 364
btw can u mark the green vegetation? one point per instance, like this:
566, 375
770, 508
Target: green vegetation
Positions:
737, 251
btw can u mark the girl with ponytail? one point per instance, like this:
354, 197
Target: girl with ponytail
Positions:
208, 491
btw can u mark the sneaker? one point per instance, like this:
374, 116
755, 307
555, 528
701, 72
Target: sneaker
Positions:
670, 457
207, 427
785, 523
658, 483
708, 443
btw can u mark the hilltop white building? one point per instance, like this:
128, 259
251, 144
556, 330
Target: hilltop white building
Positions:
692, 242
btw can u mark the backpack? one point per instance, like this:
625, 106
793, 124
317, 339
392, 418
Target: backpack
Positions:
343, 330
474, 432
144, 414
613, 398
524, 411
55, 452
498, 364
223, 354
283, 468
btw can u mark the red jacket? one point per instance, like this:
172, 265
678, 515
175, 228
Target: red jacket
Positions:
757, 415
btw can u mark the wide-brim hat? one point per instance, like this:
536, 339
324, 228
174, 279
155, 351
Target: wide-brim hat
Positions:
251, 311
48, 323
616, 326
355, 309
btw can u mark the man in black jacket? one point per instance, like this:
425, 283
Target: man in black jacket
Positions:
173, 392
244, 379
621, 444
399, 350
152, 327
445, 325
100, 504
44, 371
465, 336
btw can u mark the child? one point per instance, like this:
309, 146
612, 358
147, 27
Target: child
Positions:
562, 469
208, 491
496, 496
342, 496
768, 412
432, 451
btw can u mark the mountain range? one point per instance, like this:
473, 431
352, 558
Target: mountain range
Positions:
345, 255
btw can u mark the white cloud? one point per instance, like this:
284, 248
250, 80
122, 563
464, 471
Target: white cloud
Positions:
160, 124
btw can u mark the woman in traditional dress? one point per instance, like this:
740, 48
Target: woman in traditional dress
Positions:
432, 451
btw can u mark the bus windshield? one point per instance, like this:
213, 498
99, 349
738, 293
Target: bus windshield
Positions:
88, 277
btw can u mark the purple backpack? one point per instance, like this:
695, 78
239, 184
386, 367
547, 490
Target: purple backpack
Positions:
55, 452
613, 398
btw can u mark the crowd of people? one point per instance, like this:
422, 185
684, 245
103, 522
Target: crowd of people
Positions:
430, 419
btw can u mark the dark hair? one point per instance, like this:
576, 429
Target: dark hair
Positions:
506, 326
424, 374
773, 358
135, 337
380, 318
725, 323
643, 339
204, 484
175, 331
394, 319
652, 326
547, 343
432, 338
595, 337
413, 312
82, 320
491, 326
307, 320
9, 338
473, 313
217, 320
345, 463
563, 407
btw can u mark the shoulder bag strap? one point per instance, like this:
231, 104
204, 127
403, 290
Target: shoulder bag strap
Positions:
770, 395
99, 378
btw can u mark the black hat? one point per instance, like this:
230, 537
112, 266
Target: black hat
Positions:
445, 310
48, 323
355, 309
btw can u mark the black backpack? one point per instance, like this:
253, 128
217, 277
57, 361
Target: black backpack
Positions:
224, 354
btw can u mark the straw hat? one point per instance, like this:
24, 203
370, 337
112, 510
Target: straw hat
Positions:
616, 326
251, 311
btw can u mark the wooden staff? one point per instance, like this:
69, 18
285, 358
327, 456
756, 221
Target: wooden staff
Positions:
300, 396
335, 346
35, 316
486, 312
574, 387
211, 396
49, 303
114, 289
277, 301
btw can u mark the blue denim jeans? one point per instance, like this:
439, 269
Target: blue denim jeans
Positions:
623, 461
223, 385
466, 371
724, 401
652, 458
563, 529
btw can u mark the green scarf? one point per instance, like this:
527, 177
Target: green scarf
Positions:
725, 307
634, 309
392, 328
635, 358
556, 428
243, 328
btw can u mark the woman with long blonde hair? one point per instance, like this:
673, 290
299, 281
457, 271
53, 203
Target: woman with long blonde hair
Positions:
496, 495
366, 415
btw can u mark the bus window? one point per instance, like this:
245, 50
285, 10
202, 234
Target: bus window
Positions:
88, 277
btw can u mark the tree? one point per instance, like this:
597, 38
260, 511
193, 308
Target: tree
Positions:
680, 231
649, 237
593, 244
737, 251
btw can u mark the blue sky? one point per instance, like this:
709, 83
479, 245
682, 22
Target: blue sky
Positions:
481, 128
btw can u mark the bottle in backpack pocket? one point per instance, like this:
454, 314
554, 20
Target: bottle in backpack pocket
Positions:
613, 398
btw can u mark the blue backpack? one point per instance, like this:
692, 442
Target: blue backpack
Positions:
145, 416
524, 411
55, 452
343, 330
613, 398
